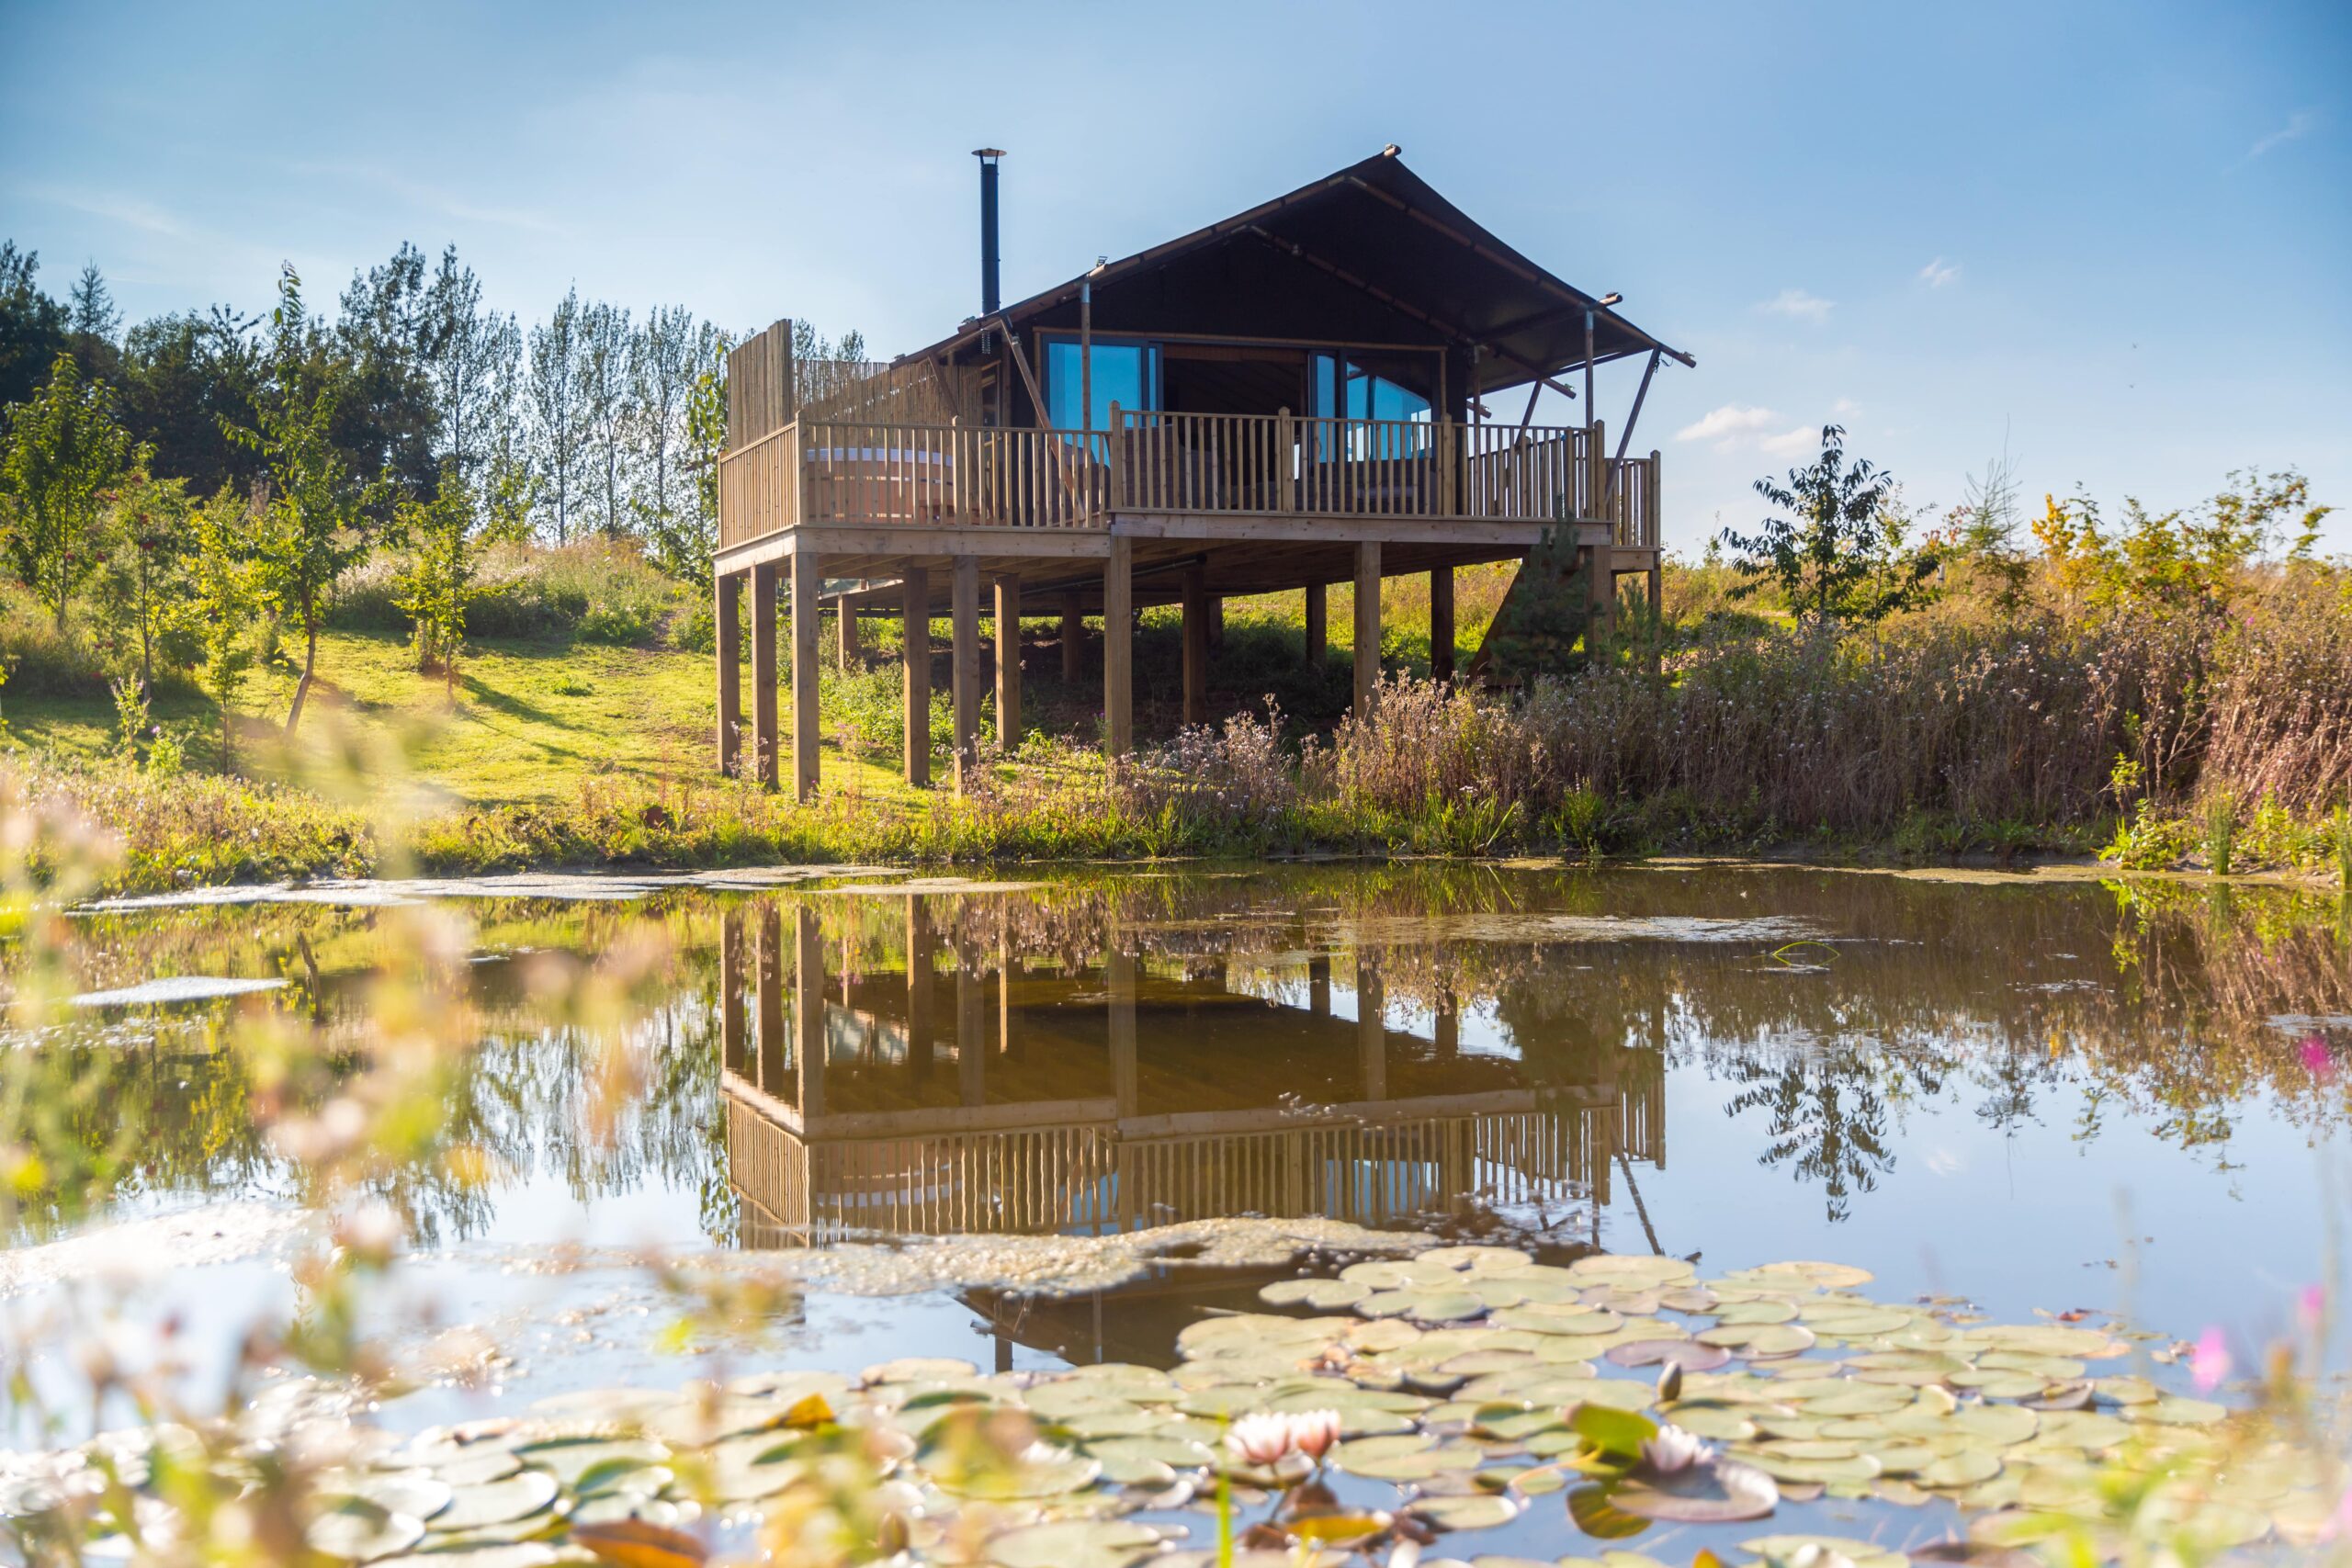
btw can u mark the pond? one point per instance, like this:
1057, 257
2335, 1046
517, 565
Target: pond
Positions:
732, 1124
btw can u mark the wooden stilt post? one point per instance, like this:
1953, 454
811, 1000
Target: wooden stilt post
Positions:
1118, 648
847, 655
1318, 627
915, 605
1196, 645
764, 731
1217, 621
808, 1013
1073, 636
728, 610
1441, 623
1008, 664
1602, 579
807, 583
963, 612
1367, 625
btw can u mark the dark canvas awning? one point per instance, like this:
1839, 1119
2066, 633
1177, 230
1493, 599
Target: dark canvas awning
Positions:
1371, 254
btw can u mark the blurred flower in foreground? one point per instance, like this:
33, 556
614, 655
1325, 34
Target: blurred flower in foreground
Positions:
2209, 1363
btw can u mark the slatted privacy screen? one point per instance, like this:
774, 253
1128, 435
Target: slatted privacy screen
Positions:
760, 392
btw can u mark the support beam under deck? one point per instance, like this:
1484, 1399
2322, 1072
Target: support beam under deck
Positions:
1118, 648
914, 600
964, 616
806, 585
1008, 664
1196, 645
1441, 623
1318, 626
1367, 626
729, 639
763, 683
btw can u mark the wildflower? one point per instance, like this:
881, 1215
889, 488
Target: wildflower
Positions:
1259, 1439
1674, 1450
2209, 1363
2317, 1059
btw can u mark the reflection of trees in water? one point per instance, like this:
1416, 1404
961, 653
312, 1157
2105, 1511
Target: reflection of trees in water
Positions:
2157, 1004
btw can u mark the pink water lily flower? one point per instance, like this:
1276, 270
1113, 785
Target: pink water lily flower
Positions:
1312, 1432
2209, 1363
2310, 1308
1259, 1439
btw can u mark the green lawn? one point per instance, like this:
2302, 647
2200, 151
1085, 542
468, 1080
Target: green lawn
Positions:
531, 721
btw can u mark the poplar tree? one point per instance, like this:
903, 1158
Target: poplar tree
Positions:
558, 430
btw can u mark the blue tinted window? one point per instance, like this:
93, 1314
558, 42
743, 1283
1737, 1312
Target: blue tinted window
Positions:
1125, 373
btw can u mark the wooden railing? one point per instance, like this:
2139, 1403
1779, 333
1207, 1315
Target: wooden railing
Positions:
971, 476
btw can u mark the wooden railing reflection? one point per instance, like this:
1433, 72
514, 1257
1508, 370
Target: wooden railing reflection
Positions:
806, 1172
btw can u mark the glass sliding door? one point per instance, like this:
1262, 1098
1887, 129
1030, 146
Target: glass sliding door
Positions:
1126, 373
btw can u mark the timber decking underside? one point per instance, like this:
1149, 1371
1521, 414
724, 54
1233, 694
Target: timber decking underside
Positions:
1236, 554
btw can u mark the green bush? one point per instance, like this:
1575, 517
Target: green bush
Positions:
595, 591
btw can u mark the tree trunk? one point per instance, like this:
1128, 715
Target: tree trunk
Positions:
310, 662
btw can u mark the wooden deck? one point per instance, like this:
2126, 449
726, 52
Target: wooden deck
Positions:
912, 519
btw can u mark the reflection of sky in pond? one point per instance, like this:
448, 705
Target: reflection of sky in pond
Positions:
2037, 1095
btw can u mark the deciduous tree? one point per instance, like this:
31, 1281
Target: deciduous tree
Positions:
558, 428
63, 449
1839, 554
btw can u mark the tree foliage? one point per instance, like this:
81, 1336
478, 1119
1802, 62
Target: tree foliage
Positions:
1835, 546
64, 448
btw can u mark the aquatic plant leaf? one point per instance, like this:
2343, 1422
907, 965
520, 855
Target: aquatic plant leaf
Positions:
1967, 1468
1763, 1339
1725, 1492
518, 1496
570, 1459
1630, 1271
1805, 1276
1074, 1543
1862, 1553
359, 1530
1618, 1432
1599, 1517
1324, 1295
2178, 1410
1473, 1512
1719, 1422
1792, 1468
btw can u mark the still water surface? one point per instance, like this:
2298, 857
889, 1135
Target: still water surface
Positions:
2037, 1095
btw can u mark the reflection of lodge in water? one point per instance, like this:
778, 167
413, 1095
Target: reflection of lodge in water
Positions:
999, 1096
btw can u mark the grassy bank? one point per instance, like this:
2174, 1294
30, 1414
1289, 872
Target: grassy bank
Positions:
2214, 735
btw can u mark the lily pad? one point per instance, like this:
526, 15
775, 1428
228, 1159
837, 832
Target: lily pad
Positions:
1473, 1512
1791, 1548
1688, 1354
359, 1530
1323, 1296
1723, 1492
1074, 1543
518, 1496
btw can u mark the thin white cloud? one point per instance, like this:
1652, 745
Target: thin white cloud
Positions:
1728, 425
127, 210
1733, 428
1797, 303
434, 198
2299, 124
1845, 408
1938, 273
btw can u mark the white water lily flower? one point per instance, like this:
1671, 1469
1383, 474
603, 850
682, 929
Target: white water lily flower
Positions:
1312, 1432
1673, 1450
1262, 1438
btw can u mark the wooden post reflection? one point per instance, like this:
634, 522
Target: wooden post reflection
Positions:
808, 1013
731, 990
1319, 986
1119, 982
971, 1025
1372, 1029
1004, 1035
1448, 1035
767, 1008
918, 979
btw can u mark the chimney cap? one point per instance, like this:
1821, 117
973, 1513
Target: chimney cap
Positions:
987, 155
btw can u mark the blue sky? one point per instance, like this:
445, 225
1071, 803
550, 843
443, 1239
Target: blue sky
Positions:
2115, 239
